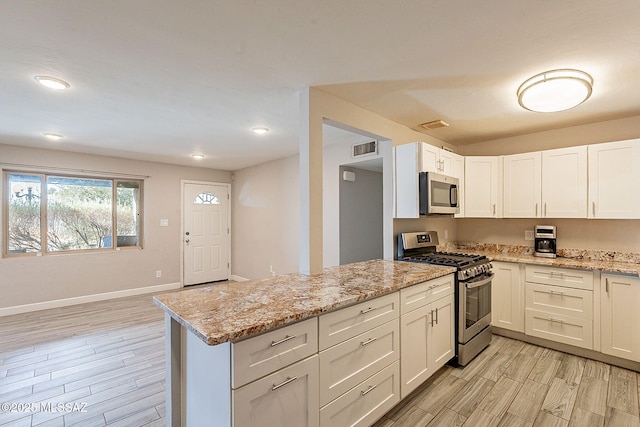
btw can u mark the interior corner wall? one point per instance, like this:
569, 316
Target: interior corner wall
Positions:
43, 279
265, 210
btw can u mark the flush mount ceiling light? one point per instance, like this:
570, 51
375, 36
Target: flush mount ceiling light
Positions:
260, 130
555, 90
198, 156
53, 136
52, 82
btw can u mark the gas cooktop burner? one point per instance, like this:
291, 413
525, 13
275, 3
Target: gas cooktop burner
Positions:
446, 258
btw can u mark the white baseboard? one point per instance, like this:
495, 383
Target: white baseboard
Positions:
235, 278
7, 311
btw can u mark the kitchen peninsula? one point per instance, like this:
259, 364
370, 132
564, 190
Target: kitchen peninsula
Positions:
230, 343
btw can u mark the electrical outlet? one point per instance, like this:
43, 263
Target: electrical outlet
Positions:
164, 222
528, 234
158, 273
271, 270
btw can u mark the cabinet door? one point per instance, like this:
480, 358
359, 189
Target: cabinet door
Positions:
453, 165
441, 339
427, 342
414, 365
620, 321
522, 180
483, 187
288, 397
564, 183
507, 297
614, 168
429, 158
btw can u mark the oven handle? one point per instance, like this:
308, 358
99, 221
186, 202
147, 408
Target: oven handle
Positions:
479, 283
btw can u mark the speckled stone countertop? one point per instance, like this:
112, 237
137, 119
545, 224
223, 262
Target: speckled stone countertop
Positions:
237, 310
585, 259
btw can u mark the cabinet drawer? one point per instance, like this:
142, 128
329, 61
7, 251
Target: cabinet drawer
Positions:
266, 353
288, 397
345, 365
560, 300
424, 293
559, 328
346, 323
572, 278
365, 403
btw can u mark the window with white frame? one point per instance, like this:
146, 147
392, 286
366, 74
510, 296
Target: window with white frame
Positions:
53, 213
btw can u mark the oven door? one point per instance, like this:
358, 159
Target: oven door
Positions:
475, 306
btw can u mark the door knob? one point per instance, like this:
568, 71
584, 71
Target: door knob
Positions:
187, 242
187, 233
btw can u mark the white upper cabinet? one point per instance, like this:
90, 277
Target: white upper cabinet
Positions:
564, 183
522, 185
416, 157
547, 184
614, 171
483, 187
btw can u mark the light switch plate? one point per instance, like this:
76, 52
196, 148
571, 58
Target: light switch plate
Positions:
164, 223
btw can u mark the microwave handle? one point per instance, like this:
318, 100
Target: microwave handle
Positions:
453, 195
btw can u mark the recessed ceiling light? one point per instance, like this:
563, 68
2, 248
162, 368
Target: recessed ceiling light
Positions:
53, 136
260, 130
198, 156
555, 90
52, 82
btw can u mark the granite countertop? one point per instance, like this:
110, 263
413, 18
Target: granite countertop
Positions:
233, 311
595, 260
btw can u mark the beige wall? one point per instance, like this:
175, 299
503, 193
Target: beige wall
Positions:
28, 280
265, 206
593, 133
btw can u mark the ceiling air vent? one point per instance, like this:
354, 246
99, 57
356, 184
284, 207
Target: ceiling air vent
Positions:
364, 149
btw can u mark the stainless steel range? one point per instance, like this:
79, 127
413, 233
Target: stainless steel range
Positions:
473, 289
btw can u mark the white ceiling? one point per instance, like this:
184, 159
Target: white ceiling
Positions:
162, 79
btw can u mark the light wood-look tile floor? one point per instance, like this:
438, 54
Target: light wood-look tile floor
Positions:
106, 361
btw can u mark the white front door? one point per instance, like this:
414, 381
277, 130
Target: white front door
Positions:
206, 233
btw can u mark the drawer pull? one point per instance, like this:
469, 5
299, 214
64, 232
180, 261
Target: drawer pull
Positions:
367, 310
285, 339
556, 293
551, 319
368, 390
367, 342
606, 282
284, 383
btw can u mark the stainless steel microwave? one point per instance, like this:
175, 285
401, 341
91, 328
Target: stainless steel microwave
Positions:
438, 194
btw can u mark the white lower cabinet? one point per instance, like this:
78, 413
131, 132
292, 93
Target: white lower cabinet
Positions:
559, 305
620, 316
345, 365
365, 403
288, 397
341, 368
507, 296
427, 341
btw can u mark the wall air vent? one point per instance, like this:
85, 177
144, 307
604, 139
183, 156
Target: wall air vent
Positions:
364, 149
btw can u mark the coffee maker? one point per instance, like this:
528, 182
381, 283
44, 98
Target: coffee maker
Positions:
545, 241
